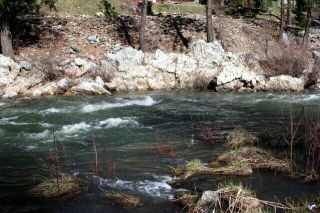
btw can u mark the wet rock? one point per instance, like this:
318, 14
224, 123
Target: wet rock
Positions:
284, 83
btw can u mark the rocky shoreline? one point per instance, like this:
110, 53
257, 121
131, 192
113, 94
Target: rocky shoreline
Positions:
204, 66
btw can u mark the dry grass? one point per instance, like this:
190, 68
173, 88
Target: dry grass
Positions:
239, 199
285, 61
257, 159
240, 138
121, 198
314, 75
229, 198
193, 170
63, 188
187, 201
201, 82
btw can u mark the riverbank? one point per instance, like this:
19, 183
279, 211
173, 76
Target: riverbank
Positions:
87, 55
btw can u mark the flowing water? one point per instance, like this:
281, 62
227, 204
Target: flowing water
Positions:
128, 131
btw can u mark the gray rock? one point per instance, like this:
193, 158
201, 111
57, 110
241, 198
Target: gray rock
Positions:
94, 38
64, 83
9, 94
79, 61
4, 61
285, 83
208, 198
89, 66
25, 65
90, 87
100, 14
99, 80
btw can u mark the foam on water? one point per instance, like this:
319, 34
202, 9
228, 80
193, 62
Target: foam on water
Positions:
2, 104
118, 122
154, 188
303, 98
50, 111
40, 135
74, 128
147, 101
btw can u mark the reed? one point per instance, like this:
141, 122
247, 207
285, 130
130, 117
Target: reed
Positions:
121, 198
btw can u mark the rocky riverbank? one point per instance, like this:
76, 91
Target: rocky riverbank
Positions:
88, 55
204, 66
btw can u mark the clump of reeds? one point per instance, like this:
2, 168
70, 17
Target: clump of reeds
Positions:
240, 138
207, 134
121, 198
186, 200
256, 158
230, 197
196, 168
165, 149
64, 187
238, 198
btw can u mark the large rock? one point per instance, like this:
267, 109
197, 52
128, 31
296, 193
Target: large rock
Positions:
5, 61
9, 71
64, 84
50, 88
90, 87
127, 58
208, 54
285, 83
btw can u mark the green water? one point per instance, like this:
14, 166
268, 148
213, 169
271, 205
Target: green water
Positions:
127, 130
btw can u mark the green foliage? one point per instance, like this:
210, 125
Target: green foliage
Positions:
11, 8
109, 10
195, 162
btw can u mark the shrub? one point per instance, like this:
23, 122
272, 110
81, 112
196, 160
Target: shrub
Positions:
287, 61
49, 67
313, 76
200, 82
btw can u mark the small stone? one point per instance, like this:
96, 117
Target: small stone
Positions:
93, 38
25, 65
89, 66
100, 14
79, 61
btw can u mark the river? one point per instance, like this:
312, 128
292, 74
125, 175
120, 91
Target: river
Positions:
127, 130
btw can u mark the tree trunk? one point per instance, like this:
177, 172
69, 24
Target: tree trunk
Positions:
289, 12
209, 21
6, 41
281, 20
143, 25
307, 28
